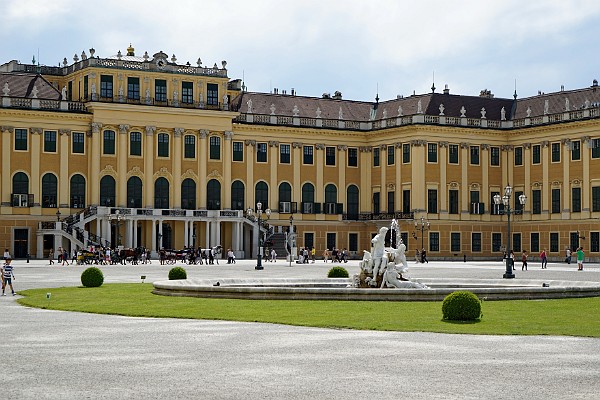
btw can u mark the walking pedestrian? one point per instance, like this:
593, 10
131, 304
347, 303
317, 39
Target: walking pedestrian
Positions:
326, 255
65, 257
273, 255
424, 256
51, 256
568, 256
524, 260
580, 257
6, 254
9, 276
544, 258
313, 253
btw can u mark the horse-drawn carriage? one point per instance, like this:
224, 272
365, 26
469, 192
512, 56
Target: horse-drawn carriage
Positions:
86, 257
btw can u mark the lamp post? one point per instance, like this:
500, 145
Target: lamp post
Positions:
118, 218
423, 226
194, 240
290, 241
58, 215
508, 211
259, 211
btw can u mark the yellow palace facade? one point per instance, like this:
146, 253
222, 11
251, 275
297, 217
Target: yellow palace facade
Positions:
142, 151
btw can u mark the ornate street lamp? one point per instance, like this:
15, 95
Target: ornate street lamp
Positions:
508, 190
422, 225
250, 212
117, 217
58, 215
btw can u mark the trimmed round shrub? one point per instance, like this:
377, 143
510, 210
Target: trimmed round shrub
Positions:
92, 277
177, 273
461, 306
337, 272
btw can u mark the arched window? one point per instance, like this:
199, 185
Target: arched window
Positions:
134, 192
188, 194
261, 194
237, 195
77, 192
308, 198
285, 198
331, 200
20, 192
352, 201
107, 191
161, 193
49, 190
213, 195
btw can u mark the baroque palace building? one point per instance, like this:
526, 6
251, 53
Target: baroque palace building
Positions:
143, 151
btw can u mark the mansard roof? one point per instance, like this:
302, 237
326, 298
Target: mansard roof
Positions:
22, 84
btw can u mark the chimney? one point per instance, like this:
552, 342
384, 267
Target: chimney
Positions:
446, 90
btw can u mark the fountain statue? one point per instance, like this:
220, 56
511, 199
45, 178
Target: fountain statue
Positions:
385, 266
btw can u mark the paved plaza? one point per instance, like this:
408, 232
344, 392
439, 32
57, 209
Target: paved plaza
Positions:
64, 355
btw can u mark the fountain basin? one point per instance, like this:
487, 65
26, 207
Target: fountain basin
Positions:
341, 289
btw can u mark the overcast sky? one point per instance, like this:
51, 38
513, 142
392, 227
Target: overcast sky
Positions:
317, 46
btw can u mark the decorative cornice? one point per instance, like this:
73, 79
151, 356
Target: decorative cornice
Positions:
527, 146
9, 129
365, 149
64, 132
203, 133
398, 145
215, 174
296, 145
273, 143
249, 142
178, 132
418, 143
485, 146
443, 145
465, 145
320, 146
35, 131
383, 147
163, 172
135, 171
123, 128
545, 143
507, 147
228, 135
342, 147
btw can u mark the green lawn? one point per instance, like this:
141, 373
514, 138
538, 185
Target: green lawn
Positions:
572, 317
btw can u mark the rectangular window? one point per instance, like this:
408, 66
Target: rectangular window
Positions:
535, 242
554, 245
238, 151
453, 154
330, 156
453, 201
331, 242
189, 143
163, 145
476, 242
518, 156
376, 203
496, 241
261, 152
20, 139
109, 142
391, 155
391, 203
85, 89
406, 201
50, 141
376, 156
455, 242
555, 201
187, 92
353, 242
432, 152
432, 206
575, 199
595, 242
474, 155
575, 150
106, 86
133, 88
536, 201
215, 148
78, 142
160, 90
308, 155
212, 94
518, 206
284, 153
309, 239
495, 156
516, 239
555, 152
595, 198
536, 154
434, 241
405, 153
135, 144
595, 148
404, 237
353, 157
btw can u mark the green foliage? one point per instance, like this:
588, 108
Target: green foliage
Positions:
92, 277
461, 305
337, 272
177, 273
